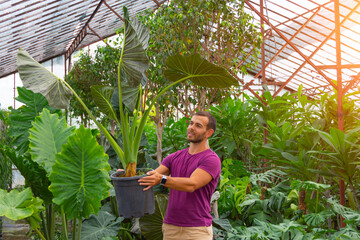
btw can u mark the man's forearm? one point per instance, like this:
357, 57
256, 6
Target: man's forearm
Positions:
198, 179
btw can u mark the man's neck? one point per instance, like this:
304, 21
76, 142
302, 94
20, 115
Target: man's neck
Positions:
198, 147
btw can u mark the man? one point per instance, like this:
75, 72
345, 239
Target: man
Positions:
192, 175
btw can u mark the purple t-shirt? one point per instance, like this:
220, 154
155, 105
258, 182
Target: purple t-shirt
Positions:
191, 209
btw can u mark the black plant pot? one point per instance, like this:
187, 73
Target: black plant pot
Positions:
132, 200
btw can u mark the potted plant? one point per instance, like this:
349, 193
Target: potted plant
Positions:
130, 118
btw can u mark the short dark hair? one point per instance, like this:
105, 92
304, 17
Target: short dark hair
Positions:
212, 120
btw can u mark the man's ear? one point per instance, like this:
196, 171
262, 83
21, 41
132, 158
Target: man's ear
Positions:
209, 133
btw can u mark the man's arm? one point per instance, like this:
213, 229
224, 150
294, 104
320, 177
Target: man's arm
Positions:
198, 179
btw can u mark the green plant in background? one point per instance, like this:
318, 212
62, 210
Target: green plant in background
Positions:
220, 31
82, 76
17, 205
238, 130
342, 159
234, 184
130, 73
5, 143
292, 148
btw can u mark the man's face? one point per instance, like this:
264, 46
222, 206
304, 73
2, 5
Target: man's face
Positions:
196, 131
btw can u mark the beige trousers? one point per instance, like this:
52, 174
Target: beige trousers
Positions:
171, 232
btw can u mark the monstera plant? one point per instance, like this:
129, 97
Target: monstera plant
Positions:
132, 66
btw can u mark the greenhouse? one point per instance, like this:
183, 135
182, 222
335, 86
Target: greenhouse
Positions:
173, 119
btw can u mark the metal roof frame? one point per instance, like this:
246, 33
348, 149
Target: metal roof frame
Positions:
51, 28
300, 45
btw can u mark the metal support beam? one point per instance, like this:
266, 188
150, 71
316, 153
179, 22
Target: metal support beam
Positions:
353, 82
99, 36
118, 15
76, 42
319, 47
283, 47
340, 114
262, 44
249, 53
336, 66
291, 44
157, 3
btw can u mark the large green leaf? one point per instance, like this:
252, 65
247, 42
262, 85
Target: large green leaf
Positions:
17, 205
48, 134
130, 96
79, 178
102, 98
40, 80
35, 176
100, 226
134, 59
151, 225
200, 71
21, 118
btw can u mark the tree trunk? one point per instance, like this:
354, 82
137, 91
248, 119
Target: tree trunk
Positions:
160, 121
302, 204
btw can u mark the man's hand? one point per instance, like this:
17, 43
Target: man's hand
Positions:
153, 178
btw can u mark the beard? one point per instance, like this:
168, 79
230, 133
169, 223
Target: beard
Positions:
196, 138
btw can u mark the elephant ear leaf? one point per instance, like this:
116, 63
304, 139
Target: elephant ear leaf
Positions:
34, 174
100, 226
17, 205
79, 178
129, 97
47, 136
40, 80
102, 98
198, 70
21, 118
134, 59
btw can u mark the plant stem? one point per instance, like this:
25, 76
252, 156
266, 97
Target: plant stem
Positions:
317, 201
79, 229
74, 229
39, 233
36, 230
52, 222
43, 223
64, 223
111, 140
147, 111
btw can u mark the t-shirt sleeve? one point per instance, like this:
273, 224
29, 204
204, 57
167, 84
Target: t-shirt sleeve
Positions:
167, 161
211, 164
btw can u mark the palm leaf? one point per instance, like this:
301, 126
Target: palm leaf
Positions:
37, 78
79, 178
151, 225
200, 71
